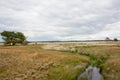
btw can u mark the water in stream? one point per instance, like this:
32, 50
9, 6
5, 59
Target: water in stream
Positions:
91, 73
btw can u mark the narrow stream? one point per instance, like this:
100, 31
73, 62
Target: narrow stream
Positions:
91, 73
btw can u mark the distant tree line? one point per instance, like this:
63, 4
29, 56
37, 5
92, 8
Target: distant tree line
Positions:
108, 39
11, 38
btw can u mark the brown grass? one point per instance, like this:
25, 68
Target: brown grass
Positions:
34, 63
110, 50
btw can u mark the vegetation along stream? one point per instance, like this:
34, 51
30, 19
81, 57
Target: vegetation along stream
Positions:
93, 69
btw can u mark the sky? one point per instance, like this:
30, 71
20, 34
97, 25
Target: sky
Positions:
44, 20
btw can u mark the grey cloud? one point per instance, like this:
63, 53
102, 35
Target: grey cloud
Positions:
60, 19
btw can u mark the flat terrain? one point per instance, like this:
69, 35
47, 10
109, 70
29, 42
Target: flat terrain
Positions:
55, 61
33, 63
109, 50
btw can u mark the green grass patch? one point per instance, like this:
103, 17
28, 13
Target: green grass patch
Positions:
96, 61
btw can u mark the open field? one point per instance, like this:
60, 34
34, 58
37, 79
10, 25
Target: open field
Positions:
57, 61
34, 63
109, 50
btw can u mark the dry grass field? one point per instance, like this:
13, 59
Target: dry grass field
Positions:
111, 67
33, 63
55, 61
109, 50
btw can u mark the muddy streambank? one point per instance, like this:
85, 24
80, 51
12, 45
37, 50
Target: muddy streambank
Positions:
91, 73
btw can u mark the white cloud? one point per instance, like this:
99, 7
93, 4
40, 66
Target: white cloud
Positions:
61, 19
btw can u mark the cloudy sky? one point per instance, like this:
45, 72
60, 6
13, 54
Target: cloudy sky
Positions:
61, 19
